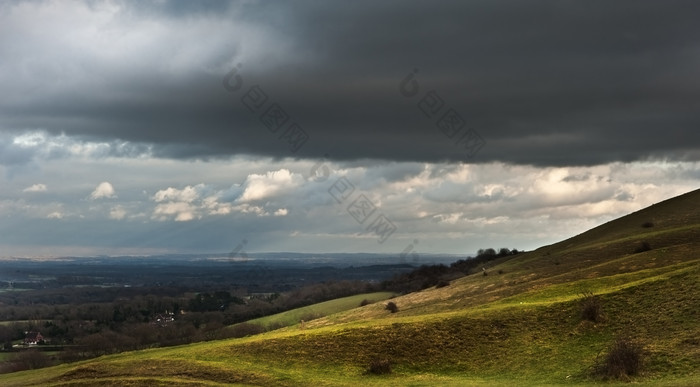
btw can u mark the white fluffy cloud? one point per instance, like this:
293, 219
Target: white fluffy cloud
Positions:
187, 194
117, 213
179, 211
260, 187
454, 204
277, 204
258, 196
103, 191
36, 188
55, 215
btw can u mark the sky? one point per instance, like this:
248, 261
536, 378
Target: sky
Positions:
136, 128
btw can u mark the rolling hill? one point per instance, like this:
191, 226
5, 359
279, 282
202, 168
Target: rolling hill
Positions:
518, 324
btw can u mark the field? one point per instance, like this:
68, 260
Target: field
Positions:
519, 324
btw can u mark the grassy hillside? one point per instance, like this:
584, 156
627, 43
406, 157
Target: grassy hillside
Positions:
321, 309
518, 325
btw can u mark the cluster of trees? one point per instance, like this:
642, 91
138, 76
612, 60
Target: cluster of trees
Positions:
90, 322
220, 300
26, 360
483, 256
439, 275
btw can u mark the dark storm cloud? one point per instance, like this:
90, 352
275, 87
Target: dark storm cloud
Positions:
543, 82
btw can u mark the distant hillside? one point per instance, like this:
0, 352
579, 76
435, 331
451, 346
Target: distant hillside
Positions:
670, 215
520, 323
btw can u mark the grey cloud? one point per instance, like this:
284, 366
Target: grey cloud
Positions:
582, 177
393, 172
11, 155
543, 82
19, 150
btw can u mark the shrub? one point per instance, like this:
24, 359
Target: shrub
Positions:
365, 302
644, 246
591, 307
30, 360
311, 316
624, 359
485, 273
500, 271
245, 329
647, 224
392, 307
379, 367
429, 282
442, 284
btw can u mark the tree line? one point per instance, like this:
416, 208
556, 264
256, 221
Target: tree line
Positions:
440, 275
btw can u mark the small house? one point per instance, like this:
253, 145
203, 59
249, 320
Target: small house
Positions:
163, 319
33, 338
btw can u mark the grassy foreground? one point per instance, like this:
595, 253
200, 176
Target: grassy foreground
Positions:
518, 325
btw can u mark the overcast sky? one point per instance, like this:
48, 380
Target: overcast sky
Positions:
363, 126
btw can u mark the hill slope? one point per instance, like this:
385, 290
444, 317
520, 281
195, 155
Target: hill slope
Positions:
519, 324
320, 309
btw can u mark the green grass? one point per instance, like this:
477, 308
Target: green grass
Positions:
523, 344
521, 327
307, 313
